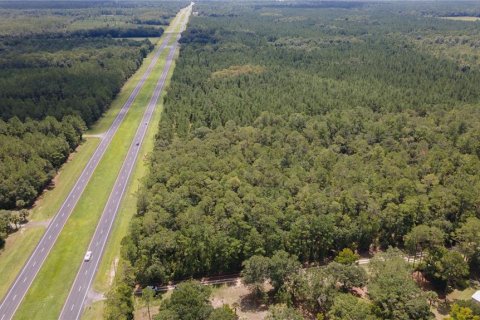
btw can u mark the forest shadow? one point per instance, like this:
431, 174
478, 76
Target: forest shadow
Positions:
252, 303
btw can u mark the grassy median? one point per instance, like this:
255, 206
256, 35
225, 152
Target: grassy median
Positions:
104, 276
127, 209
45, 298
129, 203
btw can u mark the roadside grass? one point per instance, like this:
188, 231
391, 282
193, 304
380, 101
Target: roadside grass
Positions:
17, 249
48, 292
465, 294
94, 311
51, 200
21, 244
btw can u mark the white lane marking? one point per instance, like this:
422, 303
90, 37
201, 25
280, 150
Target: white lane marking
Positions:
43, 249
56, 225
68, 205
2, 317
24, 279
49, 237
14, 297
117, 119
101, 231
71, 309
79, 288
34, 263
86, 271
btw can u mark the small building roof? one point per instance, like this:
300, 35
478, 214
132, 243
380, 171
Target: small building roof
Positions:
476, 296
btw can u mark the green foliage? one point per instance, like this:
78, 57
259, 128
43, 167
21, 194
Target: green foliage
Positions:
119, 302
347, 276
282, 312
423, 237
314, 289
5, 226
255, 272
468, 238
31, 153
189, 301
73, 76
282, 267
446, 267
223, 313
10, 222
470, 304
392, 290
347, 256
348, 307
462, 313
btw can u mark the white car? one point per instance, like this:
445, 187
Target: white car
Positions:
88, 256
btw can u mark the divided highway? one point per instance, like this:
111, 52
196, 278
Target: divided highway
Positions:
73, 307
24, 279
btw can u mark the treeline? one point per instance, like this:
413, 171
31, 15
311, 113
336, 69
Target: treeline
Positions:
79, 77
55, 5
137, 32
10, 222
30, 154
152, 22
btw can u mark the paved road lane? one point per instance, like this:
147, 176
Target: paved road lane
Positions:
22, 283
73, 307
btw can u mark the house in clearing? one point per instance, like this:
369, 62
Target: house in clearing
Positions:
476, 296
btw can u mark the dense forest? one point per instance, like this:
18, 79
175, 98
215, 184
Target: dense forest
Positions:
31, 152
307, 131
57, 81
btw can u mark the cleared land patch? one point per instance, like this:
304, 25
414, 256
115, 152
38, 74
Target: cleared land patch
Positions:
463, 18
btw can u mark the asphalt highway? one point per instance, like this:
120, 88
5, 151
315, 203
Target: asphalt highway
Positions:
24, 279
74, 304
